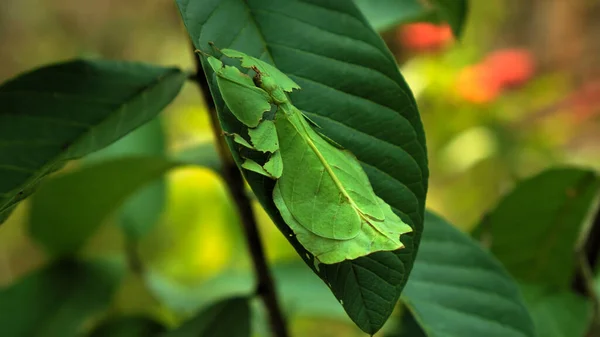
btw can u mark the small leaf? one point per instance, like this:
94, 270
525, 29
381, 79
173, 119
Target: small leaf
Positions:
57, 300
409, 327
557, 314
385, 14
65, 111
534, 229
204, 155
228, 318
454, 12
300, 291
328, 48
128, 326
68, 209
457, 289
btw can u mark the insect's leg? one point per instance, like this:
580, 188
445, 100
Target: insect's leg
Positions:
274, 165
264, 137
212, 45
253, 166
215, 64
201, 52
240, 140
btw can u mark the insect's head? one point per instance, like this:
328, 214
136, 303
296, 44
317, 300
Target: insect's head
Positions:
257, 77
265, 81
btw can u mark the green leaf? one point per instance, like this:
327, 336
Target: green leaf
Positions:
454, 12
457, 289
534, 229
141, 211
557, 314
57, 300
300, 291
228, 318
385, 14
409, 327
204, 155
147, 140
68, 209
65, 111
351, 87
128, 326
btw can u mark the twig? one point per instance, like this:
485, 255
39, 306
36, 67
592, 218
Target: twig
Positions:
587, 251
265, 287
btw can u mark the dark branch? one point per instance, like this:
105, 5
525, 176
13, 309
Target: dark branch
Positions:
235, 182
588, 256
583, 281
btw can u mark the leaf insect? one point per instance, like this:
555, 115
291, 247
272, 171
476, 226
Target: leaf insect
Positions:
321, 190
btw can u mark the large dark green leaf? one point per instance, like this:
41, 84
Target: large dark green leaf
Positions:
557, 313
142, 210
228, 318
68, 209
57, 300
64, 111
457, 289
385, 14
128, 326
534, 229
352, 88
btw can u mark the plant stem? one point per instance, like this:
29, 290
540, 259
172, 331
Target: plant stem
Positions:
265, 287
587, 252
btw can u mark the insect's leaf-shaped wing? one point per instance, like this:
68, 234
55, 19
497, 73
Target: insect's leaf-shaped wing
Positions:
309, 190
246, 101
370, 239
282, 79
324, 188
348, 171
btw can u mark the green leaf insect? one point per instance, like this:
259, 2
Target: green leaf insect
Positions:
322, 192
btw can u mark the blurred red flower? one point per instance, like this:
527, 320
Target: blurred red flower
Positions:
477, 84
424, 36
500, 70
510, 67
